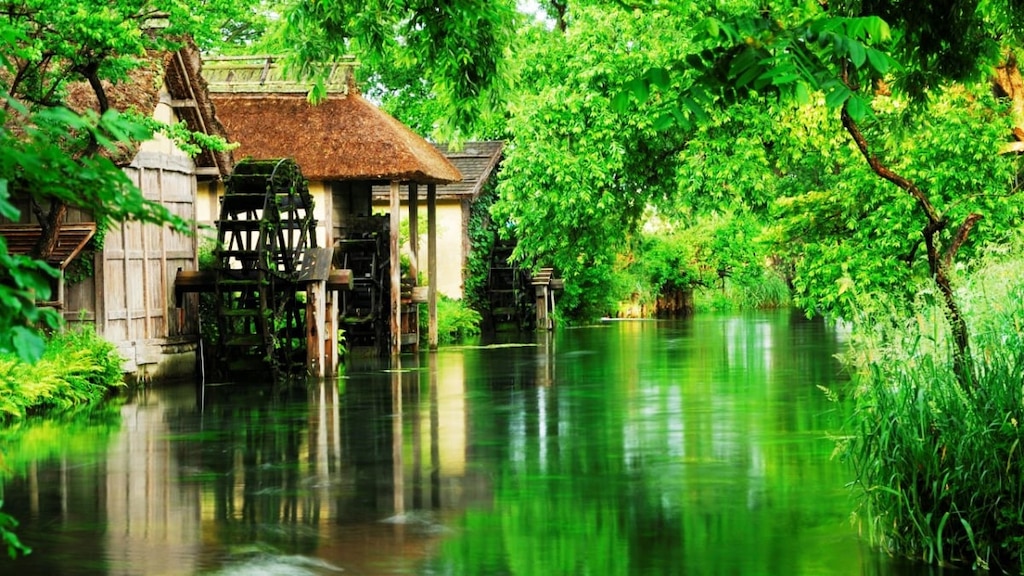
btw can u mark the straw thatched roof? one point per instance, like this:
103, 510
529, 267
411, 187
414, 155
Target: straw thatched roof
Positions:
180, 72
343, 138
476, 161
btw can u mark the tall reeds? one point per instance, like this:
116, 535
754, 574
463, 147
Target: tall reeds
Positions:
940, 468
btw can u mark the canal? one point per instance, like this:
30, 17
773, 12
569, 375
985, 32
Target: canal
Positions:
700, 446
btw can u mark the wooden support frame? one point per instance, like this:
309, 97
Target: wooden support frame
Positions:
396, 274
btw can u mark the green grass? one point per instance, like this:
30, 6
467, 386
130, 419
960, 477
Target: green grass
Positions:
939, 468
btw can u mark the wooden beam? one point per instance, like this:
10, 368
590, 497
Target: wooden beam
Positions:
432, 265
178, 103
315, 360
207, 171
414, 232
396, 275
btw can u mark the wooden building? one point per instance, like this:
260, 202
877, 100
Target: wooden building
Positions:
128, 297
478, 163
344, 146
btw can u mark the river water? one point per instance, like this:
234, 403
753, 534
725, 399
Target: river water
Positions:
698, 446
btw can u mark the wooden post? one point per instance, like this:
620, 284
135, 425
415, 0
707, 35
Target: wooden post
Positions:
414, 232
414, 259
330, 337
315, 358
432, 265
396, 275
542, 306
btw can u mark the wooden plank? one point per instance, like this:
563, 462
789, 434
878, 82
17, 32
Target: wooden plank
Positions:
315, 265
420, 294
71, 240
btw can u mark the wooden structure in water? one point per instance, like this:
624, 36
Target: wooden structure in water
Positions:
270, 280
516, 299
345, 146
121, 283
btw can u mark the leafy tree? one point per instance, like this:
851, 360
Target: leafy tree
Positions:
457, 47
577, 177
57, 150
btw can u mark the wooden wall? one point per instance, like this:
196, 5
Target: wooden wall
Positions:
131, 297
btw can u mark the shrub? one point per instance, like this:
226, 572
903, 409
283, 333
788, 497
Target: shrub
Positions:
455, 320
939, 467
77, 368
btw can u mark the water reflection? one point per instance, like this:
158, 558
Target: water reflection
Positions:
694, 447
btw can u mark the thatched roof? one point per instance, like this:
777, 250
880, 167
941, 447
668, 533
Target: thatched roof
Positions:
476, 161
343, 138
180, 71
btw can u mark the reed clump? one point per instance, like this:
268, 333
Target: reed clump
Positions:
939, 464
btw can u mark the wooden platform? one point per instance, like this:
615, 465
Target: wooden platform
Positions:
191, 281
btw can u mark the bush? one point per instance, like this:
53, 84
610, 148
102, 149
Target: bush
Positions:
939, 467
77, 368
455, 320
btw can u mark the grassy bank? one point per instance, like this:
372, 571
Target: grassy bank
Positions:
939, 465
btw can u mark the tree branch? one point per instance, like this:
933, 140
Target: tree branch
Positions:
883, 171
960, 237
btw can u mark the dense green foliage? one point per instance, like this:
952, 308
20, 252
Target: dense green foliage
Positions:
55, 151
453, 50
573, 209
938, 464
78, 368
456, 320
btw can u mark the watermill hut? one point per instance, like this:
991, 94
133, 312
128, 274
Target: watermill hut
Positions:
344, 146
123, 285
478, 163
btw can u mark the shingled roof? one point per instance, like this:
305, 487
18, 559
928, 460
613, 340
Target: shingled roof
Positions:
475, 160
180, 72
343, 138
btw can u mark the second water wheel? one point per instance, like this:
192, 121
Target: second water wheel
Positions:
266, 226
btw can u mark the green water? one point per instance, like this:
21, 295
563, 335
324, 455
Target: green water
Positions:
687, 447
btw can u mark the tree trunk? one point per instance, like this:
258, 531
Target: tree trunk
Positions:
939, 264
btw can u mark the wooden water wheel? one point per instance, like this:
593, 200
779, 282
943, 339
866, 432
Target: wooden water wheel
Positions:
266, 226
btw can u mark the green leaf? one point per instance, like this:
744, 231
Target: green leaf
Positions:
856, 108
879, 60
639, 89
857, 53
664, 122
27, 343
620, 102
837, 96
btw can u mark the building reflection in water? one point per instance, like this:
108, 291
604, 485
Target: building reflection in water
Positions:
361, 474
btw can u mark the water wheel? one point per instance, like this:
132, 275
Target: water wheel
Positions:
266, 226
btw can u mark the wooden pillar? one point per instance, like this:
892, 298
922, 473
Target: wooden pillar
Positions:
432, 265
414, 232
542, 306
396, 275
315, 328
330, 336
414, 259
